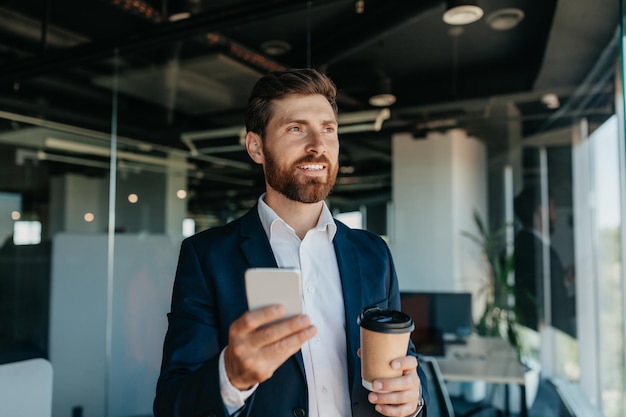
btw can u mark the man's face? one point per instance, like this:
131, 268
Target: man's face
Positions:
301, 148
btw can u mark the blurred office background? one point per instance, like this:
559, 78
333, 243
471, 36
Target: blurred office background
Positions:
120, 134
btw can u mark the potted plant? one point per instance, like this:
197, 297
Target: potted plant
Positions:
499, 315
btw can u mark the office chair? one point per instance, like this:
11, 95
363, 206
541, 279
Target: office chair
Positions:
483, 408
439, 404
26, 388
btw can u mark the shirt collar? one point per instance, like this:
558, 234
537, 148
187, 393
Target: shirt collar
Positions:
269, 217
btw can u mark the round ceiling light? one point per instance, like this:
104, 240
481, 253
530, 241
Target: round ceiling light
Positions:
275, 47
382, 100
505, 19
462, 15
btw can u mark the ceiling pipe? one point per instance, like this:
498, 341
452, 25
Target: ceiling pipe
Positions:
14, 23
139, 8
212, 21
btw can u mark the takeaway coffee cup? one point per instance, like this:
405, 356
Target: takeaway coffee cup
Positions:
384, 337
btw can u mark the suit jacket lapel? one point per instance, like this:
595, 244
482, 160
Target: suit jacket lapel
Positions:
349, 271
254, 242
257, 250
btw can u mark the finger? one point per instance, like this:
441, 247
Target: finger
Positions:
396, 410
277, 331
253, 319
248, 364
279, 339
262, 365
282, 349
393, 401
406, 363
409, 381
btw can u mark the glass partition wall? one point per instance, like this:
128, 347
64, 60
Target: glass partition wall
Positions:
99, 185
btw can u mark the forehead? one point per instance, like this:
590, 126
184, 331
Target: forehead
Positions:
302, 107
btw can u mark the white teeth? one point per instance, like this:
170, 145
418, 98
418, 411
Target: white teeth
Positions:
312, 167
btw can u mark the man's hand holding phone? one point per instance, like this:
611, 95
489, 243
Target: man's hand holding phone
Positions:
259, 342
273, 330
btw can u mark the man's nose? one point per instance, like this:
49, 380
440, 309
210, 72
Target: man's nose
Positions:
315, 143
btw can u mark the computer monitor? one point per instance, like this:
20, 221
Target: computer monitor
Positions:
448, 314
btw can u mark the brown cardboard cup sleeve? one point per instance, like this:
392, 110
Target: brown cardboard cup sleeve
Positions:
384, 337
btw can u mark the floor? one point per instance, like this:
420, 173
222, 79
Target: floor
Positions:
546, 404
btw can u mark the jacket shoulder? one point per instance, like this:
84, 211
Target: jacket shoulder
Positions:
358, 235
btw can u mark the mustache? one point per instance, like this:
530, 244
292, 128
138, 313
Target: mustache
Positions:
310, 159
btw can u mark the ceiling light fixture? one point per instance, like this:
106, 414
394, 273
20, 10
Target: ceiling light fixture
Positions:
384, 97
376, 126
275, 47
179, 16
359, 6
462, 12
551, 101
382, 100
505, 19
84, 148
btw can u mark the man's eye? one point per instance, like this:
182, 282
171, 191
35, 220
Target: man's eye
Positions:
294, 129
329, 129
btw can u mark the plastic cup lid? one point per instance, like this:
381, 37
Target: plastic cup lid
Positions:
385, 321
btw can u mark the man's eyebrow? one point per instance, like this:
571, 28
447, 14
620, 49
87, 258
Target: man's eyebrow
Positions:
285, 121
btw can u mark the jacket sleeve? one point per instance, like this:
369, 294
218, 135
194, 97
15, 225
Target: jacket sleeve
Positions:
189, 382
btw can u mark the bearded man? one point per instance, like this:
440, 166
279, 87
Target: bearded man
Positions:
219, 358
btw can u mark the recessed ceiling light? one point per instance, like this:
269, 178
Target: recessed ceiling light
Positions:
462, 14
275, 47
505, 19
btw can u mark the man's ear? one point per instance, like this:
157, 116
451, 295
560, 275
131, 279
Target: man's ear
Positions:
254, 146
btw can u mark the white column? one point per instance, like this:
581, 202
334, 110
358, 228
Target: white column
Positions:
437, 184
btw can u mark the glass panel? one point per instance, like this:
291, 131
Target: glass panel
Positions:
461, 139
606, 174
54, 186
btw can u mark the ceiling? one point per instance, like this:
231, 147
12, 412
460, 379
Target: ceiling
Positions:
181, 85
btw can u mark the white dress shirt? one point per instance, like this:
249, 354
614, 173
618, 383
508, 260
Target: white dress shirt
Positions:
324, 356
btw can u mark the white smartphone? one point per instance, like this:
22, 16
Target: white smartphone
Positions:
267, 286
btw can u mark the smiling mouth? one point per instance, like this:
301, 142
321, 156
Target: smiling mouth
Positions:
311, 167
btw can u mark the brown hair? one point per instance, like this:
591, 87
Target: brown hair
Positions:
279, 84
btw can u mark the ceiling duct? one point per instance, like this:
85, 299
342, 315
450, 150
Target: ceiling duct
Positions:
28, 28
212, 21
139, 8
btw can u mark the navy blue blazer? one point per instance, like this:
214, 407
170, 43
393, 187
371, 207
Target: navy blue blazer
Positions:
209, 294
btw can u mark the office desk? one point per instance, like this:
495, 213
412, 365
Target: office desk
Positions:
489, 359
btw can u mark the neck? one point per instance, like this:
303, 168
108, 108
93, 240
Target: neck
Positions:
301, 216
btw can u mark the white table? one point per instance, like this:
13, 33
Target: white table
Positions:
489, 359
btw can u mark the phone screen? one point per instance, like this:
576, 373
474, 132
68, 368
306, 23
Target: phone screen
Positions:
268, 286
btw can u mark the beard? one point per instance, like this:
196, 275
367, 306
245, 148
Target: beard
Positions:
300, 188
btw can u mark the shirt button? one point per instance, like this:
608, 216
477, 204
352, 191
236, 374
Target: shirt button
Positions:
318, 341
324, 390
311, 289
